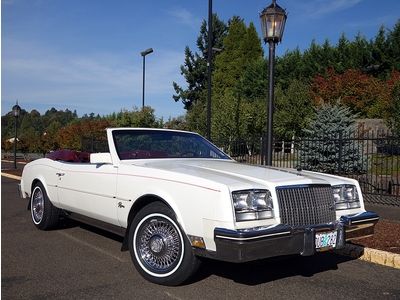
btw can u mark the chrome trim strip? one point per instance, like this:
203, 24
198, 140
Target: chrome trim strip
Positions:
123, 199
95, 194
252, 238
364, 220
85, 192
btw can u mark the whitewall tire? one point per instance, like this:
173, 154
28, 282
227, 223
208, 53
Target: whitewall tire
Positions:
43, 213
159, 248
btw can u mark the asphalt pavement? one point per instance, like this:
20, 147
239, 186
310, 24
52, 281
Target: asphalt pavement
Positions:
79, 262
387, 212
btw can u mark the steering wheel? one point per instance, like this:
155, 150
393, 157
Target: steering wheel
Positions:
186, 154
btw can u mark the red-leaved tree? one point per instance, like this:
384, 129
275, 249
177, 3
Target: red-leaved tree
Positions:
364, 94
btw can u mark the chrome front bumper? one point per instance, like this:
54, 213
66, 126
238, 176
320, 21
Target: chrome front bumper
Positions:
262, 242
359, 225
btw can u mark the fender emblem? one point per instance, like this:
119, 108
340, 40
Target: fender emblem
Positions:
120, 205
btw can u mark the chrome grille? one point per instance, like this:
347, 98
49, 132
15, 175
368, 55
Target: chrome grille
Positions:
306, 205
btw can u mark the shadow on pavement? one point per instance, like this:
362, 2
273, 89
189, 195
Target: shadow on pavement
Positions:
69, 223
268, 270
250, 273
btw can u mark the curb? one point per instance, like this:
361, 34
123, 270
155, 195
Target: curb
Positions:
11, 176
375, 256
11, 161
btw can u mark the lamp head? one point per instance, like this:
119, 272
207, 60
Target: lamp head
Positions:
273, 19
147, 51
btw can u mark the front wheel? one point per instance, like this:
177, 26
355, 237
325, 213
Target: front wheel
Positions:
159, 248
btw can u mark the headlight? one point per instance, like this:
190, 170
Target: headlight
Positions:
346, 196
252, 205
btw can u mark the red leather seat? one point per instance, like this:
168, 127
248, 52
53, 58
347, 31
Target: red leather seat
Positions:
69, 156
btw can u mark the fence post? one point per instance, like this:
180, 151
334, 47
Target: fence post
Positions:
340, 151
262, 140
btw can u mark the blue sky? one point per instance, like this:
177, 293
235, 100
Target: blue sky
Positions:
85, 54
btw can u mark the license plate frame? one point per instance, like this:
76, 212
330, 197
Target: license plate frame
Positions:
326, 240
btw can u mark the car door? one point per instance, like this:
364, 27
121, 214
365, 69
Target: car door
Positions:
89, 189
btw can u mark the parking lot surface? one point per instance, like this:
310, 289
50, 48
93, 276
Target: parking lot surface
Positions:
79, 262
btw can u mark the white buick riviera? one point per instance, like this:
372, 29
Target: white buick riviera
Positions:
175, 197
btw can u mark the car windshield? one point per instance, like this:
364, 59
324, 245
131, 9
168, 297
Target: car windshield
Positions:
147, 144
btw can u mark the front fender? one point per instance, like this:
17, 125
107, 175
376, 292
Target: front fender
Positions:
44, 173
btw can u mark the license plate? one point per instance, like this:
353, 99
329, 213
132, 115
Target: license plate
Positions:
325, 240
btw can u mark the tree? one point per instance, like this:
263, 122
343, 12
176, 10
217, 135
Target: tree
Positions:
194, 69
312, 61
196, 117
83, 135
253, 84
64, 117
363, 94
394, 116
288, 67
393, 47
242, 49
327, 147
361, 56
179, 123
30, 141
50, 137
135, 118
343, 55
294, 109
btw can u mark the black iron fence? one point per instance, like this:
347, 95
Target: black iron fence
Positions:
373, 158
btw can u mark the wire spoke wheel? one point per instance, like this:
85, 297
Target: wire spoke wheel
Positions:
159, 248
44, 215
37, 205
158, 244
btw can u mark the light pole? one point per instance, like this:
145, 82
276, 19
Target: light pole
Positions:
144, 53
209, 60
16, 112
273, 19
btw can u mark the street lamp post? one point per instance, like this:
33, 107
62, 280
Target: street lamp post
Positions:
144, 53
273, 19
209, 61
16, 112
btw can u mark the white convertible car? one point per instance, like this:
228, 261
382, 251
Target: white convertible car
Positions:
175, 197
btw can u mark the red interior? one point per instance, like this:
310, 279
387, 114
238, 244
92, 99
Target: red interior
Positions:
84, 157
69, 156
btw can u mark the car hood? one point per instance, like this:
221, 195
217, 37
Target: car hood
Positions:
238, 175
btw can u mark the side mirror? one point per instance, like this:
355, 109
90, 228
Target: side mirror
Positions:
100, 158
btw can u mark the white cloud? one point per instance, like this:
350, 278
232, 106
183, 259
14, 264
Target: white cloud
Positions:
320, 8
387, 21
185, 17
96, 82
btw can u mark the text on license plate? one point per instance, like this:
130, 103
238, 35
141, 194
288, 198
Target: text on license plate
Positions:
325, 239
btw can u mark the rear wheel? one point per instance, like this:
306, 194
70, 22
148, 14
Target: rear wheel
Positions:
159, 248
44, 214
